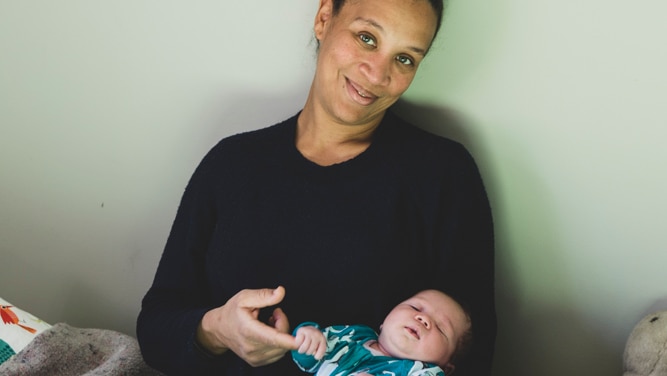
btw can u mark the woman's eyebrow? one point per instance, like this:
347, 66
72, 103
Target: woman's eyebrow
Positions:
370, 22
418, 50
376, 25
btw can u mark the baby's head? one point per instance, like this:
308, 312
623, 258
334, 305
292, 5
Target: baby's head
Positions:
430, 327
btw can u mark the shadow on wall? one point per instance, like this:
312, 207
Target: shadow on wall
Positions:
543, 329
659, 305
548, 340
540, 331
443, 121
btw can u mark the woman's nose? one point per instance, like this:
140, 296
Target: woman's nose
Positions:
376, 69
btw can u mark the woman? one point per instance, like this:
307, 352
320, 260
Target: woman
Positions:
345, 206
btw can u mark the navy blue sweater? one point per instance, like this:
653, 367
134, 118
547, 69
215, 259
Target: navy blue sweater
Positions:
347, 241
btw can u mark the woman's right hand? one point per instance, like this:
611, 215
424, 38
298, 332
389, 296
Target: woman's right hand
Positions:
234, 326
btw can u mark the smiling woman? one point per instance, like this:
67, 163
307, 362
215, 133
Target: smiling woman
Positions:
369, 54
346, 207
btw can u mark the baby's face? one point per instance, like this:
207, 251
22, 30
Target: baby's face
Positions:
426, 327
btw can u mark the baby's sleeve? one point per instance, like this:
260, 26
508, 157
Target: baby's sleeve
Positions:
424, 369
306, 363
338, 337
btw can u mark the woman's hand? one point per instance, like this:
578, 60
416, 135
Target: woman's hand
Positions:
311, 341
235, 326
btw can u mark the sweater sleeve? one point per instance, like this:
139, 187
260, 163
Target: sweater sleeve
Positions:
178, 299
467, 267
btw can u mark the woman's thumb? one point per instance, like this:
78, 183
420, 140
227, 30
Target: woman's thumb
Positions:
264, 297
277, 295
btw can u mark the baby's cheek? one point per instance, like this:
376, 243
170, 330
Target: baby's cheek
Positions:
438, 350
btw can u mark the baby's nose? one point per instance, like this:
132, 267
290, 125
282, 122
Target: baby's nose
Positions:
424, 321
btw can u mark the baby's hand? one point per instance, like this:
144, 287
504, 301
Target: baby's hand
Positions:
311, 341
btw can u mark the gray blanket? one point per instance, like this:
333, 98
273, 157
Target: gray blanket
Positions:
64, 350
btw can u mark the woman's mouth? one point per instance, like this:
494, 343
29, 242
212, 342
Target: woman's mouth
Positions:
360, 95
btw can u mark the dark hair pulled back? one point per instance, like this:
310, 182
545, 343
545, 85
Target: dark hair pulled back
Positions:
438, 8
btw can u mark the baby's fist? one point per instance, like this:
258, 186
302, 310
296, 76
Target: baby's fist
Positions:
311, 341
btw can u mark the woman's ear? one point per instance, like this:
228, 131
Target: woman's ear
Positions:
324, 15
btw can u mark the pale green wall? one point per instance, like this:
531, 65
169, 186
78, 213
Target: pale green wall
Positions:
566, 108
106, 108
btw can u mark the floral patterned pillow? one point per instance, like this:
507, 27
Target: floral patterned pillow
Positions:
17, 329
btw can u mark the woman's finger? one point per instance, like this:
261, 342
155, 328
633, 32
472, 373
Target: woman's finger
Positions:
260, 298
270, 337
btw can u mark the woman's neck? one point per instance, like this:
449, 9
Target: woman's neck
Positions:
325, 141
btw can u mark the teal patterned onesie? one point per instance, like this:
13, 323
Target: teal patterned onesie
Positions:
347, 355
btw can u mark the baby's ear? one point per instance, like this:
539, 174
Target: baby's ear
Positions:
448, 368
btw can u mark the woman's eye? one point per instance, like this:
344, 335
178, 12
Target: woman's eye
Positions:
367, 39
405, 60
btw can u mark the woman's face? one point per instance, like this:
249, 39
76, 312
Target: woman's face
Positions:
369, 54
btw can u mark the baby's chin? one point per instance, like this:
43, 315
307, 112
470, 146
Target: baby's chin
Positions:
416, 357
391, 351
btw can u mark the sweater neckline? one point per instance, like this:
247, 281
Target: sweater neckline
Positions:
358, 161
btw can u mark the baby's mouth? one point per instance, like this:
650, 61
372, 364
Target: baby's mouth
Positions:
413, 332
